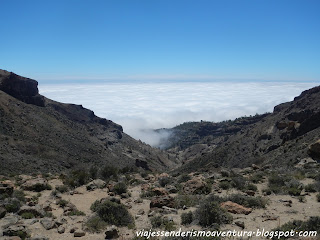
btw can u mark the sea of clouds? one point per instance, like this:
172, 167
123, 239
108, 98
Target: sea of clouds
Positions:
141, 107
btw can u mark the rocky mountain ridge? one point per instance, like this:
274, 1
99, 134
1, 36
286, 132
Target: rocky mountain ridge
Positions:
40, 135
284, 137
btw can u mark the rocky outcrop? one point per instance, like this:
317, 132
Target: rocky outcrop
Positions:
37, 185
24, 89
160, 201
235, 208
194, 186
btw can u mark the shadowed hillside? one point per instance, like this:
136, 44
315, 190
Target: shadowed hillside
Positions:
284, 137
41, 135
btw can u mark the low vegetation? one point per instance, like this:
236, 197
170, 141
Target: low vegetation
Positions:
113, 213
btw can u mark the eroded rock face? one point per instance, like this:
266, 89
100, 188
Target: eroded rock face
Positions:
24, 89
161, 201
194, 185
235, 208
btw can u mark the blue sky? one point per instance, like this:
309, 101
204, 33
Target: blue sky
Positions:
161, 39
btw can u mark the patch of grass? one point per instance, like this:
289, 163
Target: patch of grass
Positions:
186, 218
27, 215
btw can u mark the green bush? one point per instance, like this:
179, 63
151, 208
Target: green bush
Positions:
147, 194
163, 223
256, 177
293, 191
225, 185
310, 188
186, 218
186, 200
109, 172
19, 194
164, 181
76, 178
12, 205
318, 197
238, 182
120, 188
312, 224
62, 203
113, 213
95, 224
210, 213
247, 201
62, 188
76, 213
184, 178
251, 187
41, 187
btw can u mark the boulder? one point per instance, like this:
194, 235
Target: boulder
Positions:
79, 233
48, 223
168, 210
112, 232
16, 230
194, 186
160, 201
37, 185
171, 189
61, 229
235, 208
96, 184
240, 224
36, 210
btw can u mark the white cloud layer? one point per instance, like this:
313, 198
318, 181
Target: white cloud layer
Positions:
139, 107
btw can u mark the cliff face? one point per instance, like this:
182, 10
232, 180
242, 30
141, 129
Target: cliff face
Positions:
41, 135
22, 88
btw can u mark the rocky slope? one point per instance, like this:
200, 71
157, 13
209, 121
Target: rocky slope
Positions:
284, 137
41, 135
